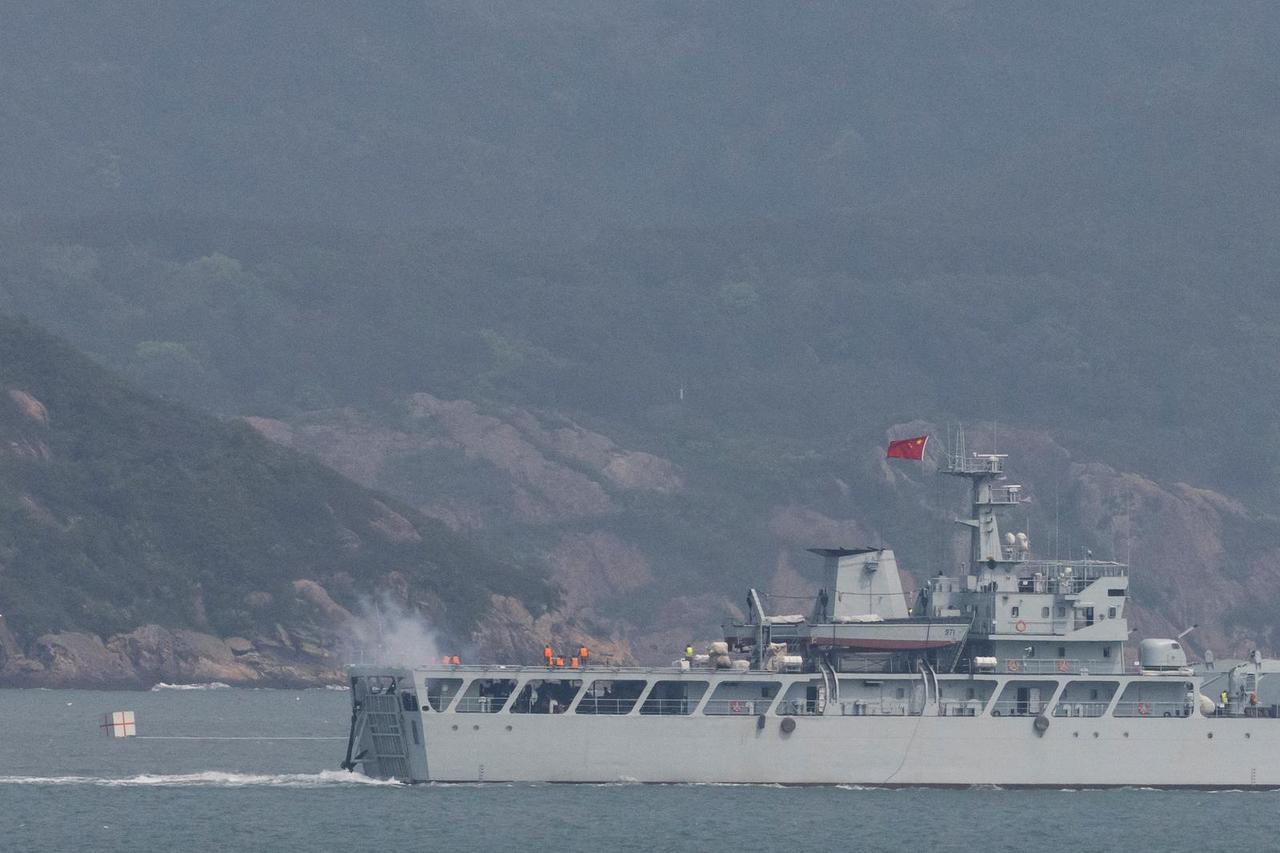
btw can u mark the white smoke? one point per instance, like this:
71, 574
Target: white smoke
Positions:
384, 632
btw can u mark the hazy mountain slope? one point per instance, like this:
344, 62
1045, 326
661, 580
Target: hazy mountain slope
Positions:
564, 116
122, 511
742, 239
660, 552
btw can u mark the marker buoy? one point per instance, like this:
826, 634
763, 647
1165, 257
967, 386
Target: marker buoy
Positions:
1020, 626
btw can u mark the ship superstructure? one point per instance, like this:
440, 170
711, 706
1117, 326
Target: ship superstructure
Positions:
1010, 672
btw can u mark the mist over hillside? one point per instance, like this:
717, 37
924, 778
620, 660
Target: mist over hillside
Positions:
648, 286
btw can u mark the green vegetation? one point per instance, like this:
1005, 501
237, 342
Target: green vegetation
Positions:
146, 511
746, 237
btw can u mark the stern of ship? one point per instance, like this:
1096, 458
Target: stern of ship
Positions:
386, 738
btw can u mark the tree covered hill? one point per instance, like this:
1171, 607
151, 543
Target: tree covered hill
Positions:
567, 116
582, 205
120, 510
744, 239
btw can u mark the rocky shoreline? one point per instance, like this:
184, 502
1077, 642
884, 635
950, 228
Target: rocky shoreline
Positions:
152, 654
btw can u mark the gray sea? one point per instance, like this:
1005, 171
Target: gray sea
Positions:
211, 772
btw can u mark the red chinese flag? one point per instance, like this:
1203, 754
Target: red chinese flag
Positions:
908, 448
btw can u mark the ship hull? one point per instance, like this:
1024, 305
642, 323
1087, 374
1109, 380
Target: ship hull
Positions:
393, 736
920, 751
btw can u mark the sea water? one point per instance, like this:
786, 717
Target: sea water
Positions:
224, 769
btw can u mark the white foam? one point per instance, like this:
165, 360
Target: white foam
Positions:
209, 685
207, 779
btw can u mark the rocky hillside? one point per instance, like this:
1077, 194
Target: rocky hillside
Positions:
632, 293
141, 541
607, 520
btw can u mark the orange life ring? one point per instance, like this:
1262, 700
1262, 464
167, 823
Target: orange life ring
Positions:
1063, 667
1144, 709
737, 707
1020, 626
1013, 665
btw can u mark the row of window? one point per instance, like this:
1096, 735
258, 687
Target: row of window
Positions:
859, 697
1015, 611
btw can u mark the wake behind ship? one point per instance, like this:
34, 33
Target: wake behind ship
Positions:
1010, 673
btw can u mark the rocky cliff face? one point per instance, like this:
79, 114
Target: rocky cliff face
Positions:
141, 541
150, 654
570, 494
1198, 557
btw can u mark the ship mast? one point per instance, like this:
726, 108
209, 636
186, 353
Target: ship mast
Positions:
984, 471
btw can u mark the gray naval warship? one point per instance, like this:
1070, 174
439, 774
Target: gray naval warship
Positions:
1010, 673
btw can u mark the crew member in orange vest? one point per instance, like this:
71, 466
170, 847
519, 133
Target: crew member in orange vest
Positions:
548, 654
582, 654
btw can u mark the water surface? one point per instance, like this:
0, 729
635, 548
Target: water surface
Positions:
63, 786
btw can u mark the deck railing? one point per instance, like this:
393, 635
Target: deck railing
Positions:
1175, 708
480, 704
737, 707
1080, 709
1018, 709
668, 707
612, 707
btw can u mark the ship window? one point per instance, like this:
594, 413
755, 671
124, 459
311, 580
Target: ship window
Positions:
546, 696
1085, 698
733, 698
1106, 651
901, 692
1115, 593
1013, 611
1023, 698
611, 698
1044, 613
673, 698
1062, 651
801, 698
1156, 698
440, 692
1062, 612
486, 696
1111, 613
955, 700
